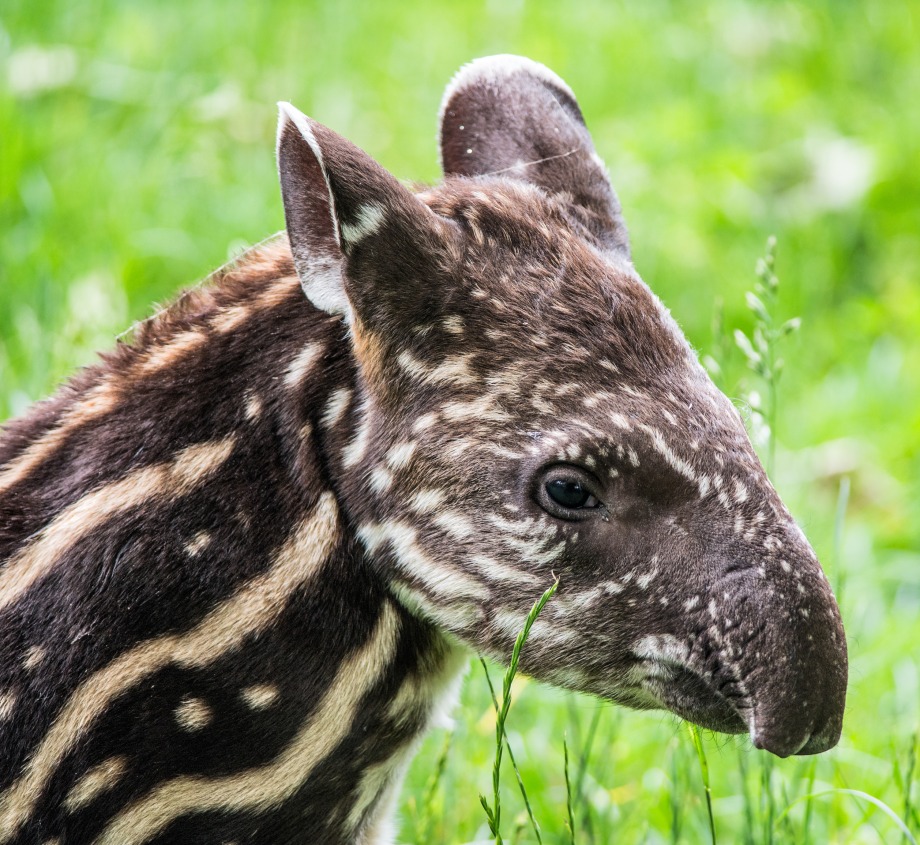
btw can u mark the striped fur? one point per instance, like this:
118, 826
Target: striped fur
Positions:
245, 556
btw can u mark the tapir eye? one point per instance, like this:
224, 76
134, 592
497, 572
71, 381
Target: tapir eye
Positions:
566, 492
569, 494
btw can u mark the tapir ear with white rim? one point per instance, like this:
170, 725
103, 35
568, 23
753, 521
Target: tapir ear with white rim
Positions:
359, 238
510, 116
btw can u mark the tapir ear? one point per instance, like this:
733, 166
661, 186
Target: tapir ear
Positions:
512, 116
352, 226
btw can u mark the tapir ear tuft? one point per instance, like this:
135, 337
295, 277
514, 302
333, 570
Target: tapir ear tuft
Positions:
512, 116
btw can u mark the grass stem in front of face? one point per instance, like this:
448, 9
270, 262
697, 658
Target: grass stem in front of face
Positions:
697, 739
494, 811
675, 804
514, 765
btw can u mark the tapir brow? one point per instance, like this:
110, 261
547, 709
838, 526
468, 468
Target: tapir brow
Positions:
245, 558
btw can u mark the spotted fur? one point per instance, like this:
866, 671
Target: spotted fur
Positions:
245, 557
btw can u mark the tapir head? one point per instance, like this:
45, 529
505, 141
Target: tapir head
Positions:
528, 411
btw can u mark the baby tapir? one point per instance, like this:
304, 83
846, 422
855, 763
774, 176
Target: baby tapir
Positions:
245, 558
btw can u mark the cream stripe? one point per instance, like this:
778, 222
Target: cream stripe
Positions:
99, 400
177, 347
191, 467
97, 780
302, 363
260, 789
254, 608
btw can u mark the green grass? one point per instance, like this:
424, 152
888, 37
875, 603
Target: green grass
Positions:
136, 147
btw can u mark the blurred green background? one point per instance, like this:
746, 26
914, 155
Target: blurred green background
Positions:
136, 154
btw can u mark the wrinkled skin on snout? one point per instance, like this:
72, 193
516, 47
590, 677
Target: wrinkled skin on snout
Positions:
531, 412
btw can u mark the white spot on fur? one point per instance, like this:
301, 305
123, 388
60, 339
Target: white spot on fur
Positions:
33, 657
198, 543
253, 407
335, 406
427, 500
260, 696
644, 580
381, 479
7, 704
399, 455
496, 571
455, 523
301, 365
424, 422
738, 526
96, 781
368, 220
451, 371
478, 409
677, 463
193, 714
354, 452
453, 324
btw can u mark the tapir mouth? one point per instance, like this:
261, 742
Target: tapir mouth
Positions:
688, 694
692, 697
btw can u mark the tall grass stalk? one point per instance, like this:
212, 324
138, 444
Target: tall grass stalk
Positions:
761, 349
767, 799
909, 810
809, 804
676, 804
905, 779
423, 826
746, 798
840, 514
514, 765
697, 739
568, 793
877, 803
583, 759
494, 811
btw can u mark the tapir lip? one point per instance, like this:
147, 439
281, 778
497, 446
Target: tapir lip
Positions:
694, 697
691, 696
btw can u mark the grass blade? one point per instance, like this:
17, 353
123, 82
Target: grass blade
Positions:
864, 796
514, 766
704, 769
568, 793
423, 826
494, 812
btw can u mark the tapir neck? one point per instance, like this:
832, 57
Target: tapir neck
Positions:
193, 646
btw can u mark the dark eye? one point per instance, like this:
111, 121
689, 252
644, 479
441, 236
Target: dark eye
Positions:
567, 492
